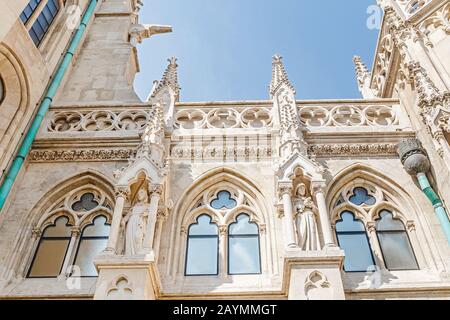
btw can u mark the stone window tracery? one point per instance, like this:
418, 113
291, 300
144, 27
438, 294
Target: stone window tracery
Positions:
71, 233
223, 234
372, 230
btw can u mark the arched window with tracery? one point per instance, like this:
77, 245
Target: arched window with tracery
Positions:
71, 233
371, 229
223, 233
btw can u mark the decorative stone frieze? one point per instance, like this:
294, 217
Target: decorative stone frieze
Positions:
81, 155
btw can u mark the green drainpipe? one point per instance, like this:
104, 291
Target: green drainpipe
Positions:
55, 83
416, 163
437, 203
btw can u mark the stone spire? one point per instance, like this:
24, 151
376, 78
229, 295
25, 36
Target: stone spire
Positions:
279, 75
363, 77
169, 80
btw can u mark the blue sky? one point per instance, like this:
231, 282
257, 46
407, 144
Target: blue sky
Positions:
225, 48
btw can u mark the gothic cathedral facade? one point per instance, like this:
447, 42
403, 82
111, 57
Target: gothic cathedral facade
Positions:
105, 196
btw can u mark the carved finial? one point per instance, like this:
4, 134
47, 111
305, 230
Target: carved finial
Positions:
363, 77
279, 75
169, 80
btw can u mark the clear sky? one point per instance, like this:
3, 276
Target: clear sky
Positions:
225, 47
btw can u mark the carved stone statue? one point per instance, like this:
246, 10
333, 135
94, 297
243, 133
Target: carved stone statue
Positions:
308, 236
135, 224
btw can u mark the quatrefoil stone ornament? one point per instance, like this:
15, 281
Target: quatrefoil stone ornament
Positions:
223, 201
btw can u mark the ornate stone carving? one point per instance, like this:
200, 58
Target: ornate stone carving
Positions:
413, 156
138, 32
97, 121
317, 287
363, 77
169, 80
365, 115
121, 290
336, 150
81, 155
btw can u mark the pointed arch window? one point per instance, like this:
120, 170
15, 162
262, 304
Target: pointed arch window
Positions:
243, 247
93, 240
395, 244
202, 257
380, 240
63, 250
52, 249
352, 238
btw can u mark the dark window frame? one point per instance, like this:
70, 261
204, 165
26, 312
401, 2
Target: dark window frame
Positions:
230, 236
362, 232
396, 232
38, 30
3, 85
81, 238
42, 238
189, 236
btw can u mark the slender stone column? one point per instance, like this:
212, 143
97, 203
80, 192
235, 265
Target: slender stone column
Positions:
70, 253
285, 191
156, 191
121, 196
318, 188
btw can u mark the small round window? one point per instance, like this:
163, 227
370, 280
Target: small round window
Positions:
2, 90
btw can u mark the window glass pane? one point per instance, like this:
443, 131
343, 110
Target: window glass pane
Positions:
34, 36
348, 223
243, 226
358, 254
86, 203
87, 251
202, 256
34, 3
59, 229
49, 258
388, 223
43, 23
100, 228
38, 30
53, 5
244, 255
223, 201
47, 15
361, 196
23, 17
203, 227
397, 251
